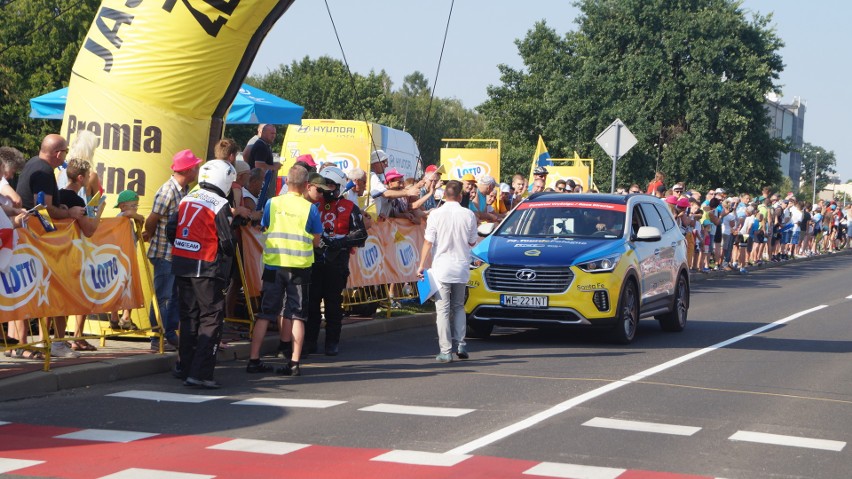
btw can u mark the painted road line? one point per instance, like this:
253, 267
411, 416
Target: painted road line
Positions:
9, 465
259, 446
3, 423
849, 297
794, 441
308, 403
106, 435
640, 426
168, 397
417, 410
137, 473
575, 401
574, 471
421, 458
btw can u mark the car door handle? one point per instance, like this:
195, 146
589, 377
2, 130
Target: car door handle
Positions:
674, 244
657, 252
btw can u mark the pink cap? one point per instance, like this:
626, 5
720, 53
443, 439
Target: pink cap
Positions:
683, 203
672, 200
184, 160
392, 174
431, 168
307, 159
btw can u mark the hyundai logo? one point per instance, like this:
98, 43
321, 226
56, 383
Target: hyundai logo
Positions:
525, 274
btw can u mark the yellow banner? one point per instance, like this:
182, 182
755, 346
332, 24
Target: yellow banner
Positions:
578, 169
458, 162
150, 77
62, 273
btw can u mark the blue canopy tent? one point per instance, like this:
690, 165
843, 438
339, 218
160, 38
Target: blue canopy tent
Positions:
251, 106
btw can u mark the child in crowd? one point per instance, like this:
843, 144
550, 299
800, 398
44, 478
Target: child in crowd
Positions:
706, 241
128, 203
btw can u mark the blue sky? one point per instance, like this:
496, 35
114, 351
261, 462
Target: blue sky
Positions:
401, 36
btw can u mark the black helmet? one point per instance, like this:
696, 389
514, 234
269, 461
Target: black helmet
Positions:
540, 170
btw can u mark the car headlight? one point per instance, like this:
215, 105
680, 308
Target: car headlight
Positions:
475, 261
600, 265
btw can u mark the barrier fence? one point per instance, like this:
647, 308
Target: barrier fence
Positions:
62, 273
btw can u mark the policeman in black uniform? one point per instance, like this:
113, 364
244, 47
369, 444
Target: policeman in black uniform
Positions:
344, 230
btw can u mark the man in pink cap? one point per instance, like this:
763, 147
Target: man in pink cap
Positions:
185, 166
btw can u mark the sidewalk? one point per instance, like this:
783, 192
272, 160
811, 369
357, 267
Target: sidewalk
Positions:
130, 358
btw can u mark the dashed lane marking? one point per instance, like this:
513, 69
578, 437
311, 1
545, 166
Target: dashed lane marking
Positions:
168, 397
306, 403
259, 446
574, 471
640, 426
138, 473
9, 465
417, 410
794, 441
575, 401
421, 458
106, 435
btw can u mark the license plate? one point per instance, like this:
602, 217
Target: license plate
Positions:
523, 301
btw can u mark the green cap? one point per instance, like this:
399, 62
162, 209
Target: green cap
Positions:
126, 195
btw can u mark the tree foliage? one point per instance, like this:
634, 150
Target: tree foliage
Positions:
825, 163
324, 87
39, 41
688, 79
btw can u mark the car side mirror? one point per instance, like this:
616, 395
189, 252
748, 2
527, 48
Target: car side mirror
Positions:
485, 229
649, 233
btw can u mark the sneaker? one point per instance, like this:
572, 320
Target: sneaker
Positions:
204, 383
462, 353
178, 373
61, 350
444, 358
290, 369
743, 271
258, 367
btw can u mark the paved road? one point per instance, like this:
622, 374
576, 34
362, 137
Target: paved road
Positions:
759, 385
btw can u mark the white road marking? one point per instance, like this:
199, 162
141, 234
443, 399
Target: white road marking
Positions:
574, 471
106, 435
640, 426
259, 446
421, 458
795, 441
137, 473
9, 465
309, 403
417, 410
849, 297
168, 397
575, 401
3, 423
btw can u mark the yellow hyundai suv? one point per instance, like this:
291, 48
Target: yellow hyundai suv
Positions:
580, 260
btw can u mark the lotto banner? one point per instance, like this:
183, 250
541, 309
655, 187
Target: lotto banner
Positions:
458, 162
154, 78
581, 170
391, 255
62, 273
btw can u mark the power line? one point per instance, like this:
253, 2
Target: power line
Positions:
438, 71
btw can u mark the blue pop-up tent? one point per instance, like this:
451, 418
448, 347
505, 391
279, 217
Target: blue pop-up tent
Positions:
251, 106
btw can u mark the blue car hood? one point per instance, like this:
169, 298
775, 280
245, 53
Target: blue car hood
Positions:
532, 252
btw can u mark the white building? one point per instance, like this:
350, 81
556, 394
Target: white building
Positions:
787, 122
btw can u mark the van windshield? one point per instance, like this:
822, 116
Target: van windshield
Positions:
574, 219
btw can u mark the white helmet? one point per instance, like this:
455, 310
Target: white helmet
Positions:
218, 173
335, 174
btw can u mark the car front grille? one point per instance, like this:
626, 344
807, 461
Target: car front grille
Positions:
546, 281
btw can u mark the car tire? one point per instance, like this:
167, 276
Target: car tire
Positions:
479, 329
675, 321
627, 319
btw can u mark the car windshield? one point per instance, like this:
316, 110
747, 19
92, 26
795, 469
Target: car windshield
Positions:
569, 219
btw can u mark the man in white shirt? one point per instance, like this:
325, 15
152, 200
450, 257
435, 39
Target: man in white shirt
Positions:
796, 220
450, 233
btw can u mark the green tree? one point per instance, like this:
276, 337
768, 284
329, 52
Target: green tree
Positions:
39, 41
688, 79
825, 163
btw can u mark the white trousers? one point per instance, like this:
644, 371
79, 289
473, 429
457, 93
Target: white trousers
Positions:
451, 321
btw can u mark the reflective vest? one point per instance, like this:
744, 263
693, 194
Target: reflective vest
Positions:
288, 244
